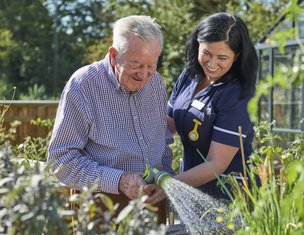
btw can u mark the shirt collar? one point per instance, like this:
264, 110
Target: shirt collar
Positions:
110, 70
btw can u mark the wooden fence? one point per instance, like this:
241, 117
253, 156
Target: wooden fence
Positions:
25, 111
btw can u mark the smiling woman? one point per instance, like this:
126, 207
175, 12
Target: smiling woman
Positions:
209, 101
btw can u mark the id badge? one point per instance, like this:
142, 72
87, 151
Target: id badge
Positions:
197, 104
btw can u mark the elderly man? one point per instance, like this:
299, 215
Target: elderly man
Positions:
111, 119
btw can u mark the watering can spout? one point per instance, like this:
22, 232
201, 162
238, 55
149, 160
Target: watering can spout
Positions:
153, 175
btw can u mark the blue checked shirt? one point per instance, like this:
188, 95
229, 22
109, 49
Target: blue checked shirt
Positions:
101, 131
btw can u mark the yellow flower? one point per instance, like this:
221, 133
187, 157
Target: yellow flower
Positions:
221, 210
230, 226
219, 219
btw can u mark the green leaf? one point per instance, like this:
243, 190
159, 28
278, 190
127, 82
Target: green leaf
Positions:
124, 213
105, 200
6, 180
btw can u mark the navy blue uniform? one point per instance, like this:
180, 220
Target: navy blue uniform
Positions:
214, 113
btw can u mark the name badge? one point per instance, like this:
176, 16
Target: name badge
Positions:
197, 104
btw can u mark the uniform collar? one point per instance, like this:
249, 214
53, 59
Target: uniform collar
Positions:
218, 84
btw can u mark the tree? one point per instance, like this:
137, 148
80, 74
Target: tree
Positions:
6, 45
259, 15
52, 38
30, 28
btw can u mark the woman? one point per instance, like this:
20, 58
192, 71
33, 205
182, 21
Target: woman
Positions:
209, 102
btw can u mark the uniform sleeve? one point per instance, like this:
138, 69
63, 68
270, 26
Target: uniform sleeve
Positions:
67, 156
231, 112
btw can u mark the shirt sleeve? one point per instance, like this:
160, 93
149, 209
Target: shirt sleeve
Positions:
167, 155
231, 113
67, 156
177, 88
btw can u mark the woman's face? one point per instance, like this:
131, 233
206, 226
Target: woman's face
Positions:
216, 59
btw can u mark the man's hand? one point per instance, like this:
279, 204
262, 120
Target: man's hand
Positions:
155, 193
131, 184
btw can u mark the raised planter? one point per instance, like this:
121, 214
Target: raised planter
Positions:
177, 229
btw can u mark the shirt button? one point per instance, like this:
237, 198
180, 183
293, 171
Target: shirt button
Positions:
135, 117
141, 138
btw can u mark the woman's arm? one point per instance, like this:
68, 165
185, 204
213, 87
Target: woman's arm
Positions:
219, 158
171, 125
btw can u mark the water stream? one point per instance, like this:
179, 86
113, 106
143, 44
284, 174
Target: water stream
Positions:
200, 213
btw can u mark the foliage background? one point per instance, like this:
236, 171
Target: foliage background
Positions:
42, 42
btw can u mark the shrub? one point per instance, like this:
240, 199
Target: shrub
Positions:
32, 201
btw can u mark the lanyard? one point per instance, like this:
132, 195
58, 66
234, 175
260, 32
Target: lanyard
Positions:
193, 135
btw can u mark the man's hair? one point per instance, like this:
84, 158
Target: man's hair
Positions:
136, 25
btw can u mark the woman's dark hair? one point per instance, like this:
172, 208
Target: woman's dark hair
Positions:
232, 30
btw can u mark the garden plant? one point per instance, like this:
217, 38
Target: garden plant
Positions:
32, 201
277, 207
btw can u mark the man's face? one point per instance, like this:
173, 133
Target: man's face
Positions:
135, 67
